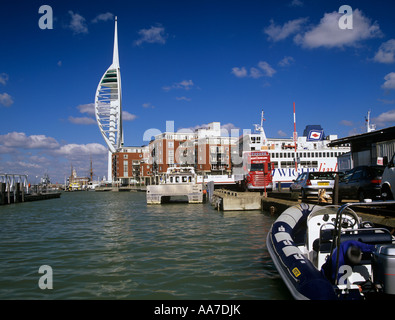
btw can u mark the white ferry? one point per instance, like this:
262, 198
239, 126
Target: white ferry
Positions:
311, 153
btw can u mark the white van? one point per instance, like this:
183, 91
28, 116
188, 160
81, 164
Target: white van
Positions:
388, 181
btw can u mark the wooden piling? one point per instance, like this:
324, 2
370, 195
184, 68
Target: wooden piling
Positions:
2, 193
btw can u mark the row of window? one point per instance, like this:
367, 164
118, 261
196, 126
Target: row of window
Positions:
326, 154
291, 164
125, 156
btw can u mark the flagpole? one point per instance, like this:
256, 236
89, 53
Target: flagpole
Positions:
295, 139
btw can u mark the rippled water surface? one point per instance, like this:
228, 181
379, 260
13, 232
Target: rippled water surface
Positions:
108, 245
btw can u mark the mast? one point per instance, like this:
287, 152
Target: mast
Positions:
259, 128
295, 141
108, 105
369, 127
91, 170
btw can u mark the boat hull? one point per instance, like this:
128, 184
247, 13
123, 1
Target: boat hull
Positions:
301, 277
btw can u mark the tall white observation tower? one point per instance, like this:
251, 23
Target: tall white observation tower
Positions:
108, 106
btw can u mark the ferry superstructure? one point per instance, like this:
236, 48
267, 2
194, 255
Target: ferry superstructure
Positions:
311, 153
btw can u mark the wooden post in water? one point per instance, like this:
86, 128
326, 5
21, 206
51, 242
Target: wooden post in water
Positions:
2, 193
23, 193
9, 194
17, 191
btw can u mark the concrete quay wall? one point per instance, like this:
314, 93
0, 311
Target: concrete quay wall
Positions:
276, 202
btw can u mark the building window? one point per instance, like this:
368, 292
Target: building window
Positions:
125, 156
125, 168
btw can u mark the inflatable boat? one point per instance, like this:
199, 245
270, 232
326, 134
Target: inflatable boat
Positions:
329, 253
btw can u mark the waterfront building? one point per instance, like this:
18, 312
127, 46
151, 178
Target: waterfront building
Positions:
205, 149
127, 164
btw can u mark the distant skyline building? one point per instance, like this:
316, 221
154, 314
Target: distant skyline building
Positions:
108, 106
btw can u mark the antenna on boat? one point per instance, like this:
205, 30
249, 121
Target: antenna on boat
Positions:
369, 127
259, 128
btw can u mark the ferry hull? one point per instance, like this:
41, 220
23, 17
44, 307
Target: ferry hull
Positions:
156, 194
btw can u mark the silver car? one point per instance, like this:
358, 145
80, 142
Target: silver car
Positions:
309, 183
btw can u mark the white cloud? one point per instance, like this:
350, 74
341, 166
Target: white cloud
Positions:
73, 150
82, 120
21, 140
267, 69
386, 101
183, 98
3, 78
286, 61
328, 34
385, 118
264, 69
239, 72
27, 164
77, 23
296, 3
386, 52
389, 81
148, 105
255, 73
346, 123
277, 32
87, 108
151, 35
6, 100
184, 84
36, 154
281, 133
126, 116
103, 17
226, 129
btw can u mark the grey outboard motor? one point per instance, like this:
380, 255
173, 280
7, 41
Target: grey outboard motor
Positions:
384, 267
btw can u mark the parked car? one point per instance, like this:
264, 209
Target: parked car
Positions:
362, 182
309, 183
388, 180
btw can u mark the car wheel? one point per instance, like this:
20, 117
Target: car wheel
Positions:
386, 193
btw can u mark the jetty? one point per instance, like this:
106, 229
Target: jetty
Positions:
117, 188
275, 202
14, 188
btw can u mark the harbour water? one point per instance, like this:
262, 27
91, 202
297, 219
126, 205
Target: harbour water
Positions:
111, 245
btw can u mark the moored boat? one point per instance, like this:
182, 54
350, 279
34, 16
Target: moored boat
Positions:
329, 253
178, 181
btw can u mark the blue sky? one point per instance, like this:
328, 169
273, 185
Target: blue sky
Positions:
191, 62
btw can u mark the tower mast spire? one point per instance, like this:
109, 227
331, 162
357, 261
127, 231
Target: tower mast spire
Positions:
115, 56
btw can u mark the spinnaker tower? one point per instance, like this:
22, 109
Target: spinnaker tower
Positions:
108, 106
